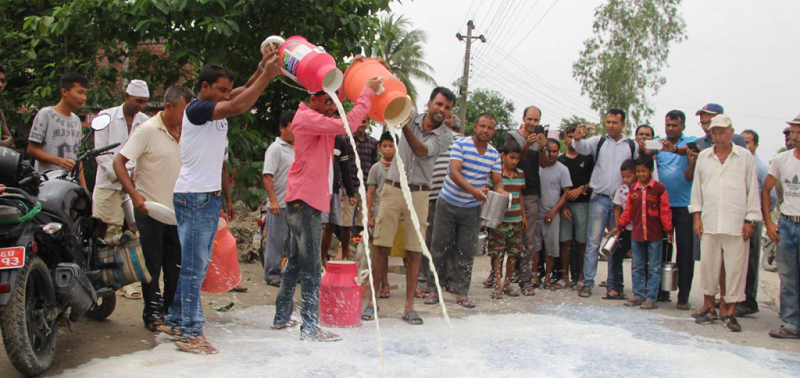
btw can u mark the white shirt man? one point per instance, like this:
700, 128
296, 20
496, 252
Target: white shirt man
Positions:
725, 203
107, 196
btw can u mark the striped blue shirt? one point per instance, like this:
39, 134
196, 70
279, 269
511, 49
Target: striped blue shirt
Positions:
474, 167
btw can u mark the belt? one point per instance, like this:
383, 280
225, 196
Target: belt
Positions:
603, 195
413, 187
215, 193
791, 218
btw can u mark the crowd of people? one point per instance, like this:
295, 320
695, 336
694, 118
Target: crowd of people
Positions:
697, 199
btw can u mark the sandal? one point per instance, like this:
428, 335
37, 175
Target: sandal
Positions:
649, 305
290, 324
683, 306
585, 292
557, 286
197, 345
383, 295
466, 303
450, 288
784, 333
536, 283
616, 295
167, 330
153, 327
239, 289
510, 292
274, 282
431, 299
489, 284
420, 293
368, 314
412, 318
322, 336
529, 292
496, 295
635, 302
131, 292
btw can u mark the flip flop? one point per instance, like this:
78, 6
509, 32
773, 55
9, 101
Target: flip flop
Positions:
239, 289
383, 295
489, 284
369, 314
529, 292
431, 299
466, 303
511, 292
497, 296
131, 292
412, 318
274, 282
290, 324
420, 293
783, 333
617, 296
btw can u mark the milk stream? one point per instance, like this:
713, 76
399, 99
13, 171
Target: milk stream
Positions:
365, 219
415, 220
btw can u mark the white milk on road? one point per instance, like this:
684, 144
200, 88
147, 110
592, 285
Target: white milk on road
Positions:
364, 218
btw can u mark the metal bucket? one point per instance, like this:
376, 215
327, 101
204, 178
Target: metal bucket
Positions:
483, 238
494, 208
127, 209
609, 245
669, 276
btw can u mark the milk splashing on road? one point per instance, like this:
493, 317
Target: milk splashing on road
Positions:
365, 219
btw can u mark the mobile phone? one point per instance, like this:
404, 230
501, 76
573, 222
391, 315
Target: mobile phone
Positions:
652, 145
538, 129
546, 130
692, 146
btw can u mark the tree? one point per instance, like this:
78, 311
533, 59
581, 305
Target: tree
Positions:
492, 102
165, 42
402, 49
621, 63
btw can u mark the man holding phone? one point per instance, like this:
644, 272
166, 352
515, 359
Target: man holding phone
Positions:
532, 139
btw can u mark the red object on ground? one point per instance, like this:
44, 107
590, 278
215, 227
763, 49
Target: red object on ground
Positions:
340, 296
392, 105
223, 269
309, 65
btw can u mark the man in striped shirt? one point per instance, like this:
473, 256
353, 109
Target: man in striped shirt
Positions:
458, 221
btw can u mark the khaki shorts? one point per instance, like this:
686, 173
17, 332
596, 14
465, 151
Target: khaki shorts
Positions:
393, 205
347, 212
108, 206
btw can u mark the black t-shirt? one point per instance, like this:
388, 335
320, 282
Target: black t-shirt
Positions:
580, 171
529, 165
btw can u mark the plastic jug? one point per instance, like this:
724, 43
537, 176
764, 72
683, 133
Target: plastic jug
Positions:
223, 269
340, 296
392, 105
307, 64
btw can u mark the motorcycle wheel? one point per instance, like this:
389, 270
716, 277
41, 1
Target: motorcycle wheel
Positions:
29, 333
105, 309
768, 258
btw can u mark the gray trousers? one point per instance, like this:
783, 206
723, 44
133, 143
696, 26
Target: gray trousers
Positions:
425, 267
455, 232
278, 240
525, 260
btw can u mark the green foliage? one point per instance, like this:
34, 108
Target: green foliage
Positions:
402, 49
105, 40
492, 102
620, 64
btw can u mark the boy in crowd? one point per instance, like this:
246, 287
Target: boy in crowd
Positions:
648, 230
55, 138
277, 161
575, 215
555, 180
375, 181
615, 283
340, 173
507, 238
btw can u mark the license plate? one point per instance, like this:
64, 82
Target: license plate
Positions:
12, 258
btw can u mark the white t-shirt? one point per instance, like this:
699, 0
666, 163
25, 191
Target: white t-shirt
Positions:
786, 169
203, 144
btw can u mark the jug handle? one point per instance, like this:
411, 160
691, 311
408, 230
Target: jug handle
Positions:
510, 199
272, 40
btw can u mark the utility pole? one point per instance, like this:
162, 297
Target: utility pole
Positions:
465, 78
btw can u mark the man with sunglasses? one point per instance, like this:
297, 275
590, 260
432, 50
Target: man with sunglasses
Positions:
308, 194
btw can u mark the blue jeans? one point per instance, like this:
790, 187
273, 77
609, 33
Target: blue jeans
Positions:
646, 252
304, 265
788, 260
601, 215
198, 218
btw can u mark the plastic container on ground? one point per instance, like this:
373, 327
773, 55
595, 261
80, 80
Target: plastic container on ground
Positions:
223, 269
340, 296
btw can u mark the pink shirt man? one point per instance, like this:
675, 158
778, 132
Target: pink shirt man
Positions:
314, 135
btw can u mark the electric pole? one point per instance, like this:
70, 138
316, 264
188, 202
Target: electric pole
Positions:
465, 78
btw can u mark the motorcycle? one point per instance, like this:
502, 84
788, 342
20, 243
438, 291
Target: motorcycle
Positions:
49, 272
768, 255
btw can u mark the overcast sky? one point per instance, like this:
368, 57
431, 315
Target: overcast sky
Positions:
740, 54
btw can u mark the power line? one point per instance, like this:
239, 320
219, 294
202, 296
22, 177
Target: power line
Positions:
524, 18
466, 15
534, 26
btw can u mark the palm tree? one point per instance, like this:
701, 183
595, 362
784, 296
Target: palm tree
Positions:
402, 50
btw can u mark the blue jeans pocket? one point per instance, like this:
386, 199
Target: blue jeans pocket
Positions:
201, 200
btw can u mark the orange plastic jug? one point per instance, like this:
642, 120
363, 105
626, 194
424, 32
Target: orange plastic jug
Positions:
340, 296
223, 269
391, 106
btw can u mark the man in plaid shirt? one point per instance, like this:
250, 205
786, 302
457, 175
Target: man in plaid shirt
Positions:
367, 147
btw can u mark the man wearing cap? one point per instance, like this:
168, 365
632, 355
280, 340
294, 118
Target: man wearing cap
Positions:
108, 192
785, 169
725, 205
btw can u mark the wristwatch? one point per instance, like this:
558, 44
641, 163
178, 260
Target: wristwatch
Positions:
261, 67
748, 222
